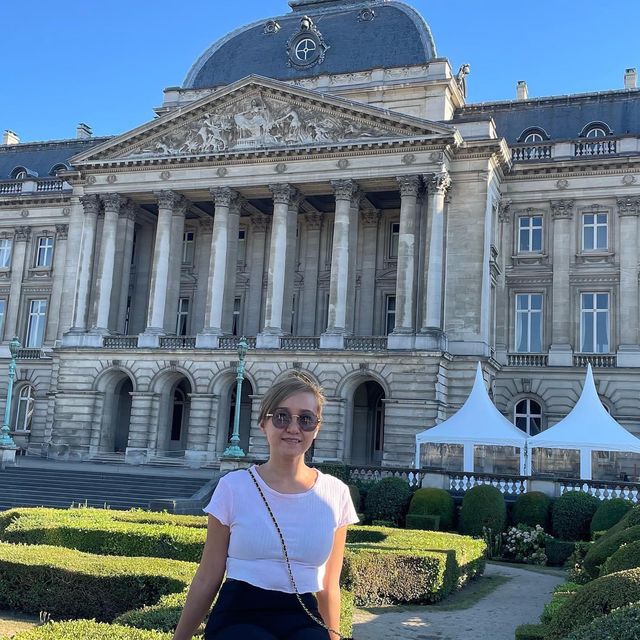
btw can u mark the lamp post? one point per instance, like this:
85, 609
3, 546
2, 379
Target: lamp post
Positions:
6, 441
234, 450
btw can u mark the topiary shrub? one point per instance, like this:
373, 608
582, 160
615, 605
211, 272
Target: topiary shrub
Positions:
622, 624
483, 507
434, 502
630, 519
571, 515
388, 500
531, 509
530, 632
626, 557
355, 497
425, 523
600, 551
609, 512
594, 600
558, 551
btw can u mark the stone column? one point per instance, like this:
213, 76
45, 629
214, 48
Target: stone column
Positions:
311, 260
124, 254
106, 262
19, 250
91, 205
560, 352
141, 418
159, 270
505, 218
256, 261
175, 265
232, 265
344, 191
76, 217
370, 221
269, 338
223, 197
431, 331
402, 336
291, 264
353, 255
202, 256
59, 259
629, 349
196, 453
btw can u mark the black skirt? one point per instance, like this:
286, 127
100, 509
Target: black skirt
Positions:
245, 611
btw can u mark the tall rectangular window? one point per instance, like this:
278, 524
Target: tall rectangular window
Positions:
44, 256
36, 324
3, 311
183, 317
235, 329
528, 323
390, 315
594, 323
595, 232
5, 252
188, 243
530, 234
394, 236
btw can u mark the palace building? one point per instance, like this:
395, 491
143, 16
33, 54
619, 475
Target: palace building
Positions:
333, 197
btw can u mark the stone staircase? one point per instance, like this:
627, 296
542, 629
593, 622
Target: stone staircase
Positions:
49, 487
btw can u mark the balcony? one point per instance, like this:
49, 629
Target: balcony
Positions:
527, 359
31, 354
120, 342
595, 147
299, 343
575, 149
523, 152
596, 360
231, 342
34, 186
178, 342
365, 343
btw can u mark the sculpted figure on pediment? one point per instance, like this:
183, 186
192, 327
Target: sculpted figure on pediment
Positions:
257, 123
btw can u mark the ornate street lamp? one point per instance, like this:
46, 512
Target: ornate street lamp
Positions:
6, 441
234, 450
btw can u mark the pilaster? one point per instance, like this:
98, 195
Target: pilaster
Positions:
59, 259
369, 222
175, 264
22, 237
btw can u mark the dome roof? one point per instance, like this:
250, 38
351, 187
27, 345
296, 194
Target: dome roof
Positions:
318, 37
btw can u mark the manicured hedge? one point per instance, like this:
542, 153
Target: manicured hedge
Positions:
483, 506
530, 632
606, 546
388, 500
558, 551
384, 565
626, 557
72, 584
426, 523
433, 502
87, 630
630, 519
571, 515
609, 512
531, 509
593, 600
107, 537
623, 624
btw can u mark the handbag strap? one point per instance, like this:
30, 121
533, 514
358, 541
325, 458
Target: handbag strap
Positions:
286, 557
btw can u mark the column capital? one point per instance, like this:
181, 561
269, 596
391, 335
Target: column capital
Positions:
91, 204
409, 185
180, 206
259, 222
167, 199
504, 209
111, 202
62, 231
22, 234
438, 182
344, 189
313, 221
295, 201
283, 193
223, 196
562, 209
370, 217
628, 206
128, 210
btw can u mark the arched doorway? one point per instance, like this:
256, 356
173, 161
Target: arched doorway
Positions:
245, 415
179, 418
122, 414
367, 436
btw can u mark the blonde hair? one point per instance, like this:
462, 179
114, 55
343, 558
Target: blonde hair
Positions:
292, 384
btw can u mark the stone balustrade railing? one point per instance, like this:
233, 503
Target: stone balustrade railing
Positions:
32, 186
299, 343
595, 147
10, 187
373, 474
120, 342
231, 342
600, 360
30, 354
525, 152
178, 342
527, 359
461, 482
577, 148
366, 343
603, 490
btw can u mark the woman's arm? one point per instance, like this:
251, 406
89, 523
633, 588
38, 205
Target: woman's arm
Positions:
329, 597
207, 580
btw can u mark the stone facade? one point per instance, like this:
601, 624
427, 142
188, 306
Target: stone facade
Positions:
367, 228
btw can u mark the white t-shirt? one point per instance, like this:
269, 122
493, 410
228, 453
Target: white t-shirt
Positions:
307, 520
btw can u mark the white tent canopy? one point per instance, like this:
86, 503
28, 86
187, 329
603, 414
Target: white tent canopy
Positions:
588, 427
476, 423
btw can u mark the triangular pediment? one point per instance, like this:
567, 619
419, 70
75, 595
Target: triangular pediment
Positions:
258, 114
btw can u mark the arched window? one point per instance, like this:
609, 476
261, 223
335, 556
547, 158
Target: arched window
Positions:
24, 408
58, 167
19, 173
533, 135
528, 416
596, 130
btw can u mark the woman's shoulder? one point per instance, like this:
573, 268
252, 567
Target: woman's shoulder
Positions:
331, 483
234, 478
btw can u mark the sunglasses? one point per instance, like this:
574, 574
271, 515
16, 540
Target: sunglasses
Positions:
282, 418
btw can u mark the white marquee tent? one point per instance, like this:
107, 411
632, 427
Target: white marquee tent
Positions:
477, 424
587, 428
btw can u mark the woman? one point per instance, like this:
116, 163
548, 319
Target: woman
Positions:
312, 510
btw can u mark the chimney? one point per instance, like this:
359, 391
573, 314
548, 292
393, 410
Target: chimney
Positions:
631, 78
83, 131
522, 92
10, 137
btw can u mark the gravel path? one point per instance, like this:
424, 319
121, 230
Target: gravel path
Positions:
518, 601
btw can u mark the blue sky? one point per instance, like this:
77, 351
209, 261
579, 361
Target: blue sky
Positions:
106, 63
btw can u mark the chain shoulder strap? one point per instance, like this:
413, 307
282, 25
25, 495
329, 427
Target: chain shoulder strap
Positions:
286, 557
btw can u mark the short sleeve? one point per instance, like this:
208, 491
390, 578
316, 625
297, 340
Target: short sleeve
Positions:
221, 504
348, 513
